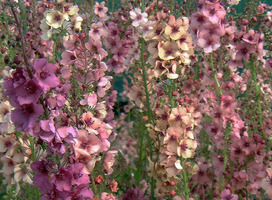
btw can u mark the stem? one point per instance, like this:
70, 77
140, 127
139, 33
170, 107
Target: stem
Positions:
142, 5
185, 180
172, 6
149, 112
219, 90
32, 148
23, 42
94, 186
172, 103
257, 91
92, 10
226, 136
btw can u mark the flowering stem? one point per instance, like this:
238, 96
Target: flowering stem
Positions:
185, 179
32, 148
171, 94
149, 112
257, 91
94, 186
23, 42
226, 136
219, 90
92, 10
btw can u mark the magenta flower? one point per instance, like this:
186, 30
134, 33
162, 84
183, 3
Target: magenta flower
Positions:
29, 92
78, 176
81, 192
226, 195
47, 130
41, 178
25, 116
45, 74
62, 179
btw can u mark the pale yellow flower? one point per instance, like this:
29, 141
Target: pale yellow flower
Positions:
54, 18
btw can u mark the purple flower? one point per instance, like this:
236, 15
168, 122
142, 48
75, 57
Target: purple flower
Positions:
79, 177
68, 134
25, 116
81, 192
62, 179
29, 92
41, 178
45, 74
47, 130
55, 194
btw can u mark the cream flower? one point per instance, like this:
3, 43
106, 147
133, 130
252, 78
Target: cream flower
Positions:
168, 50
54, 18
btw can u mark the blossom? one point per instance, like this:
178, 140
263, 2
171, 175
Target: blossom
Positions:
62, 179
20, 173
86, 144
29, 92
109, 161
100, 9
168, 50
174, 28
45, 74
54, 18
227, 195
138, 18
25, 116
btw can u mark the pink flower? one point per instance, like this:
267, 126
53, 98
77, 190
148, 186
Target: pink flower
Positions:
100, 9
45, 74
25, 116
227, 195
109, 161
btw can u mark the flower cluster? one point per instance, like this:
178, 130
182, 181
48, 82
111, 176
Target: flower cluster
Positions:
60, 17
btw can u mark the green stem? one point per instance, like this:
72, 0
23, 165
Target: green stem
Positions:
257, 91
22, 40
94, 186
32, 148
172, 6
219, 90
185, 180
149, 111
172, 102
226, 137
142, 5
92, 11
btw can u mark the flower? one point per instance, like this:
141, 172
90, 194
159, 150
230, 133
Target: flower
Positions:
109, 161
25, 116
28, 93
168, 50
20, 173
54, 18
62, 179
138, 18
227, 195
86, 144
45, 74
100, 9
186, 148
174, 29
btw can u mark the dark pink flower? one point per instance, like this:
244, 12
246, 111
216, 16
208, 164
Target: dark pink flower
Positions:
62, 179
25, 116
78, 176
81, 192
45, 74
227, 195
29, 92
47, 130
